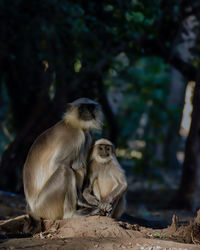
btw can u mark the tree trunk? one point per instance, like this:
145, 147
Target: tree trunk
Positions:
97, 89
14, 157
172, 141
189, 192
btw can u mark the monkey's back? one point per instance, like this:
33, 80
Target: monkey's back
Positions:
45, 151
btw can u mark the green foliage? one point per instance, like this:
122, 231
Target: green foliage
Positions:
84, 41
143, 113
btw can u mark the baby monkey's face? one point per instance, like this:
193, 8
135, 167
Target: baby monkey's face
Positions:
104, 150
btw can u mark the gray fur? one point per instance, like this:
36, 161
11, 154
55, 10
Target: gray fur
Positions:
106, 180
55, 168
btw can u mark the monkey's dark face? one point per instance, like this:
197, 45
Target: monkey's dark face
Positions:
104, 151
84, 114
87, 111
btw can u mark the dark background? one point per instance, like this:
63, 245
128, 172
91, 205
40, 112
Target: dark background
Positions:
139, 59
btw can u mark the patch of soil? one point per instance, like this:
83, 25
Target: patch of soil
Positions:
94, 243
98, 232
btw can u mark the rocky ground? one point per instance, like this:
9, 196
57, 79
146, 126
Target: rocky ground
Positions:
94, 232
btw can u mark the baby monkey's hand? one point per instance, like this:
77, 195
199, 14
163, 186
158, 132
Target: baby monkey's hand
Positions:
105, 207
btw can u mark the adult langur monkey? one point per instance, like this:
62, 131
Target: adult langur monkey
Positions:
55, 167
107, 181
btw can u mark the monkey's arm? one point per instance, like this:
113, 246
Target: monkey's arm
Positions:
80, 159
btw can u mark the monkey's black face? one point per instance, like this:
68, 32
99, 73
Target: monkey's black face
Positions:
87, 111
104, 150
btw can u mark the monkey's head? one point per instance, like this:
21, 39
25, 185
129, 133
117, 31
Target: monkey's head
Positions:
103, 151
84, 113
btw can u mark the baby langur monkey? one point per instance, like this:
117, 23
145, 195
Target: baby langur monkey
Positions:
106, 180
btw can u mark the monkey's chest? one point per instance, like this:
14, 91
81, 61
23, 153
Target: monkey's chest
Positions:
106, 184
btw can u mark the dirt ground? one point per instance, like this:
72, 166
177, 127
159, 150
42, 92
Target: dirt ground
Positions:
96, 232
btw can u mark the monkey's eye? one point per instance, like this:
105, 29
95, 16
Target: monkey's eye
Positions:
100, 148
108, 149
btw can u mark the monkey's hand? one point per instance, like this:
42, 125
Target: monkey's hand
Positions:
77, 165
105, 207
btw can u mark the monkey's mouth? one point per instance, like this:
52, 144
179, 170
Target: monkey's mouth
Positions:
87, 116
103, 155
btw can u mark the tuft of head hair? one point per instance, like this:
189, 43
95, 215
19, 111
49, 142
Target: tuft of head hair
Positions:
103, 141
71, 116
83, 100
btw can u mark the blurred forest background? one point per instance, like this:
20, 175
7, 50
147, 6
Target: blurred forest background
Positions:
139, 58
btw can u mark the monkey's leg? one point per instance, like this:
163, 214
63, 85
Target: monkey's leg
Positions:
84, 212
118, 208
58, 197
82, 202
91, 199
71, 201
32, 225
104, 206
86, 209
71, 198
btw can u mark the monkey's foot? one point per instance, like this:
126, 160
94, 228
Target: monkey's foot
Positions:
32, 226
